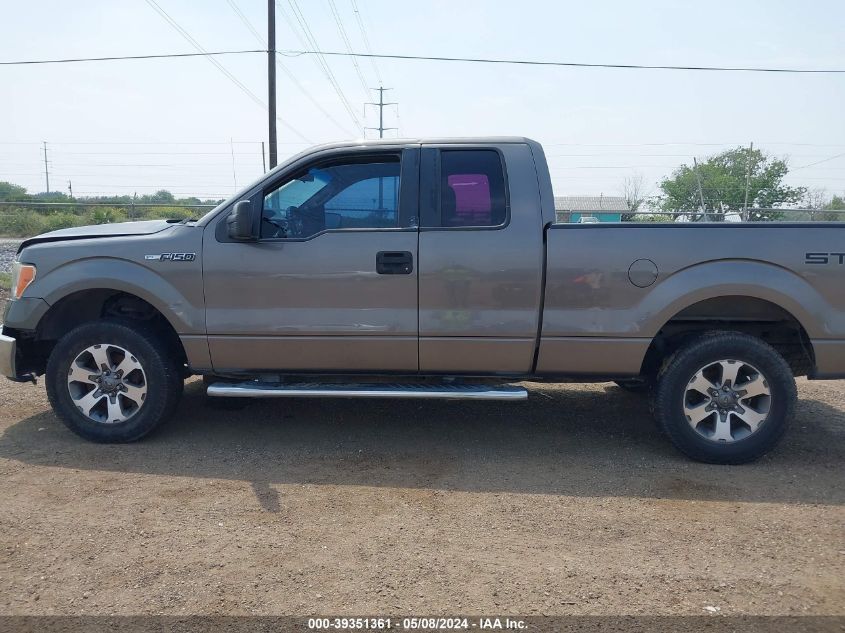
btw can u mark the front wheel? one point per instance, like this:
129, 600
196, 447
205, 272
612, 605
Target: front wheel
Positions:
725, 398
111, 381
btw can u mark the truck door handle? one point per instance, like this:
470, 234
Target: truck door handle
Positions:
394, 263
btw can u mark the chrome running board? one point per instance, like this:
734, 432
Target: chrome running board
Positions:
255, 389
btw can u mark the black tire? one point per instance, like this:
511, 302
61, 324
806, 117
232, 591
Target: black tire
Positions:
638, 386
162, 380
672, 388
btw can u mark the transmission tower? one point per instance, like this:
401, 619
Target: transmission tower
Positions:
381, 103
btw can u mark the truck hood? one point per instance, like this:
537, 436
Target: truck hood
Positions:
121, 229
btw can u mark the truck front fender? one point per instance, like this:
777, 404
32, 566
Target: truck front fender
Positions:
111, 273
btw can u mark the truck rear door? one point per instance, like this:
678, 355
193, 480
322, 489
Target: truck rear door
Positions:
480, 258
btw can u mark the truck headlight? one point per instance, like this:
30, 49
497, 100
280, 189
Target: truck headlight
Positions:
22, 276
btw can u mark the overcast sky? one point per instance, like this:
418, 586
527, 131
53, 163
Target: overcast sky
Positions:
126, 126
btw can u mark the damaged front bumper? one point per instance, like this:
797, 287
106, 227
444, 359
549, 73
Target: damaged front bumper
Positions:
8, 352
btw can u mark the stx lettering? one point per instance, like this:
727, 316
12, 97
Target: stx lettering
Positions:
824, 258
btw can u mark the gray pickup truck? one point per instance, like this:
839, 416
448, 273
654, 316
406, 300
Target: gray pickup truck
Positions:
428, 269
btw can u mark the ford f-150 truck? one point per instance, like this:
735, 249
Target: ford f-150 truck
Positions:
430, 268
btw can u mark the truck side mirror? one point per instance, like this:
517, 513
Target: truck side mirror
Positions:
240, 222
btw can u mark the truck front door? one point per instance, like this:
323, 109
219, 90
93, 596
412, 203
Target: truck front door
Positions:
331, 285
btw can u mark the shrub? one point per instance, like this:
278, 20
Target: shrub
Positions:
652, 217
105, 215
21, 223
170, 213
63, 221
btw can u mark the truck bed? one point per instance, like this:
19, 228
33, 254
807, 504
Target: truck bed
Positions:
611, 288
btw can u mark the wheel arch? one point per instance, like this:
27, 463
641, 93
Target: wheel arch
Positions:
747, 313
92, 304
120, 275
739, 279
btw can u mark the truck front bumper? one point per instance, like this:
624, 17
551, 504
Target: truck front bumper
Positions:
8, 350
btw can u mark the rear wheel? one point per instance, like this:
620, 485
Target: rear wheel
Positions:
111, 381
725, 398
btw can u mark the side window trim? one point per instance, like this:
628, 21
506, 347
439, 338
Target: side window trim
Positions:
409, 187
402, 154
431, 182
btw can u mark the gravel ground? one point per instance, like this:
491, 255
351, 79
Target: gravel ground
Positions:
568, 504
8, 248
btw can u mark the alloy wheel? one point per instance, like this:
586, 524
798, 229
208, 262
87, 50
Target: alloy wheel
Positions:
727, 400
107, 383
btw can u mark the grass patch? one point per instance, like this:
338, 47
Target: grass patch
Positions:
5, 281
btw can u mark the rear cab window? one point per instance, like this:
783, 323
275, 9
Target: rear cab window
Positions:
472, 188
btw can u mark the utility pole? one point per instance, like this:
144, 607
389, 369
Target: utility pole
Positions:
747, 182
263, 158
271, 80
46, 170
70, 188
700, 192
381, 103
234, 173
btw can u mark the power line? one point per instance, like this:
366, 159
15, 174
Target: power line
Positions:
477, 60
682, 143
366, 39
321, 61
348, 45
284, 68
544, 144
138, 143
528, 62
638, 155
314, 101
187, 36
820, 161
72, 60
614, 166
63, 153
166, 16
248, 24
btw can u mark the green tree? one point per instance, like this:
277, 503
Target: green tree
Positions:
837, 203
12, 193
52, 196
162, 196
723, 182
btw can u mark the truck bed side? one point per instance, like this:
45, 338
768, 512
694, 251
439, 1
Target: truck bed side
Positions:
611, 289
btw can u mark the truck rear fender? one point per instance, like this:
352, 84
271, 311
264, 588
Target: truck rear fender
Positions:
739, 278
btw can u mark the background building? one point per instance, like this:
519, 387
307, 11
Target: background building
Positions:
603, 208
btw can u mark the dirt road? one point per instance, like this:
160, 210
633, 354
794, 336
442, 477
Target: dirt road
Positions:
570, 503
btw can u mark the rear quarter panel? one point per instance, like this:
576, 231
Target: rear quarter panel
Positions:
597, 321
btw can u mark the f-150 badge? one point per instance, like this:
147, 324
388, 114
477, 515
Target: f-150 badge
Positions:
172, 257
